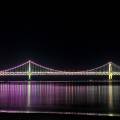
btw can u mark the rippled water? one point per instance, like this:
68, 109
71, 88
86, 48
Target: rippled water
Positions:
60, 97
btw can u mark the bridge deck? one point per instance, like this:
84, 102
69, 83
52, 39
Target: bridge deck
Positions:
55, 73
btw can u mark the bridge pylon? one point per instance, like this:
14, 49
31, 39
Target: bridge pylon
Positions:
29, 70
110, 71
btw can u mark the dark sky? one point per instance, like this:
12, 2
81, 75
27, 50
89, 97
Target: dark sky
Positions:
56, 41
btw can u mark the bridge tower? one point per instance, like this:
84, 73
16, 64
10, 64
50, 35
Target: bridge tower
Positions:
29, 70
110, 71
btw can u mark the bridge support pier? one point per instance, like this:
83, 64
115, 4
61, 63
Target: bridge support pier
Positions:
110, 77
110, 71
29, 76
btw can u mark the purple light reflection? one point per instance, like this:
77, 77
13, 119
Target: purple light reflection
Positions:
50, 96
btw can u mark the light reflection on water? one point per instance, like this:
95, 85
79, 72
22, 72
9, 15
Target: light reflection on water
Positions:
110, 99
60, 97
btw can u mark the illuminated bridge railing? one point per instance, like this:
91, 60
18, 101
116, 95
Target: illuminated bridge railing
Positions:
56, 73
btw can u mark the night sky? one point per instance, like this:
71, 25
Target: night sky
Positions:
56, 41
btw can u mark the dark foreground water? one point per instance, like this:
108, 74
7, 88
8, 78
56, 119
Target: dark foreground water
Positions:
61, 98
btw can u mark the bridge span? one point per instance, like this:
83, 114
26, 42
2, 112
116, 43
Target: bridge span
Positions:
31, 68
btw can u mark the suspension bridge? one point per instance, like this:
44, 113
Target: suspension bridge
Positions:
31, 68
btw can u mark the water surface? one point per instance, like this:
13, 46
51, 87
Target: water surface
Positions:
60, 97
